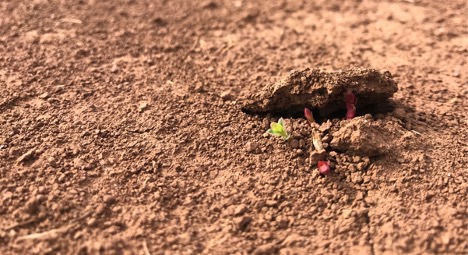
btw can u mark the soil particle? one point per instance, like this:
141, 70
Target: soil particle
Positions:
32, 205
250, 147
109, 199
27, 156
294, 143
265, 249
243, 222
240, 210
316, 156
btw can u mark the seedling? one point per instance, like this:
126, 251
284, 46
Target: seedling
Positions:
278, 129
309, 116
317, 156
351, 101
316, 139
324, 167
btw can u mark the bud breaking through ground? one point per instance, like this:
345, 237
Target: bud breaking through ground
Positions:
309, 116
324, 167
351, 101
319, 153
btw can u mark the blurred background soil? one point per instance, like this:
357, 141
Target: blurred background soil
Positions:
121, 130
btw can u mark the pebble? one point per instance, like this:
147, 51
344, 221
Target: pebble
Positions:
142, 106
327, 138
325, 126
240, 209
91, 222
52, 162
346, 213
114, 69
250, 147
271, 202
294, 143
265, 249
78, 163
359, 196
226, 95
301, 143
242, 222
356, 159
361, 166
26, 156
33, 204
356, 178
316, 156
109, 199
399, 113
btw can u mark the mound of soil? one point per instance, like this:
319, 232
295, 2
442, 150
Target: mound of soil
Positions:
323, 91
121, 130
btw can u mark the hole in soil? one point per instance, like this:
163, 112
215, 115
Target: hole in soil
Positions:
336, 110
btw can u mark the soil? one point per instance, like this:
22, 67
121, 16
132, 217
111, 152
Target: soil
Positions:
121, 129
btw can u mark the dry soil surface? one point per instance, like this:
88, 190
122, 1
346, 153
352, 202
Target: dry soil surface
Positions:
121, 130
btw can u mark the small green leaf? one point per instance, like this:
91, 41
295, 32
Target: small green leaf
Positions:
278, 129
281, 121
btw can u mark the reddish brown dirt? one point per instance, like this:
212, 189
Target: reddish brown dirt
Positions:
121, 130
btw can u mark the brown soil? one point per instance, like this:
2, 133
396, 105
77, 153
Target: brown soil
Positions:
121, 130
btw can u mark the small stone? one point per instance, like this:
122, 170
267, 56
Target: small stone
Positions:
226, 95
33, 204
109, 199
316, 156
91, 222
250, 147
271, 203
359, 196
361, 166
114, 69
282, 222
242, 222
142, 106
31, 36
265, 249
199, 87
44, 95
294, 143
327, 138
346, 213
79, 163
356, 159
52, 162
299, 152
29, 155
301, 143
400, 113
325, 126
100, 209
356, 178
266, 123
240, 209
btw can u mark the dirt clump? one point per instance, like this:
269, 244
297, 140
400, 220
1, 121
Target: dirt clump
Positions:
364, 136
317, 89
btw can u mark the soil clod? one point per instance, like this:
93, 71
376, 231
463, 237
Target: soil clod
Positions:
323, 91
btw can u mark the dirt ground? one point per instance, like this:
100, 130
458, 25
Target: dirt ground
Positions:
121, 130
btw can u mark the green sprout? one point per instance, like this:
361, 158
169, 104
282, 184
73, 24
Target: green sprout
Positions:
278, 129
